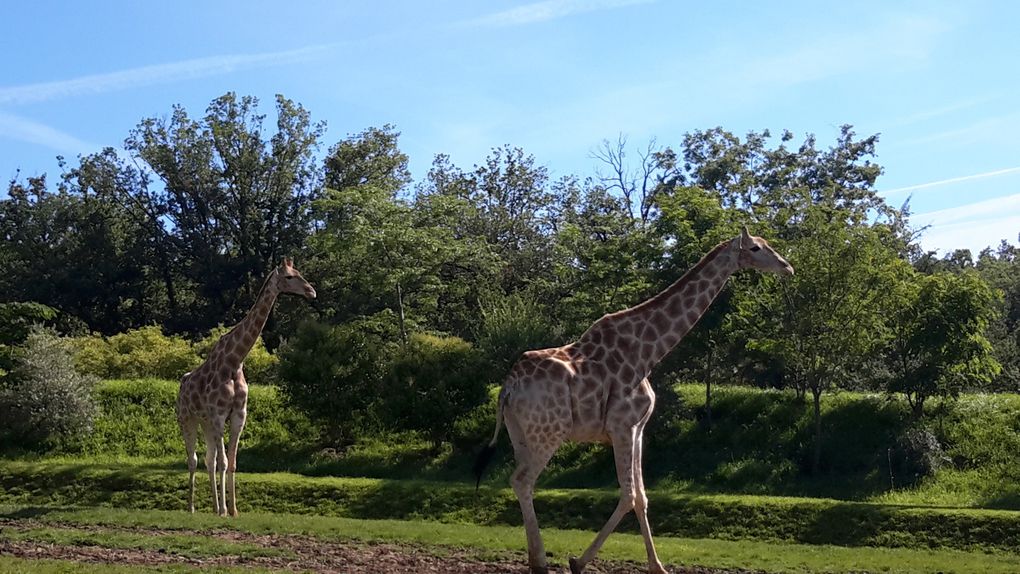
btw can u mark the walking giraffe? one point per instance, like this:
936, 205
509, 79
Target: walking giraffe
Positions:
597, 389
216, 391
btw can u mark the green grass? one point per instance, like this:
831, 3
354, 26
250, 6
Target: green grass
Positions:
498, 540
10, 565
180, 544
760, 443
732, 517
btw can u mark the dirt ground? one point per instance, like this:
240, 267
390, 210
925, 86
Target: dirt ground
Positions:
305, 554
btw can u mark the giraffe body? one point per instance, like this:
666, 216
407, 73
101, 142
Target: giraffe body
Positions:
597, 390
216, 392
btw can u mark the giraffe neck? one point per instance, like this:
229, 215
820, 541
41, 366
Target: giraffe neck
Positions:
239, 341
662, 321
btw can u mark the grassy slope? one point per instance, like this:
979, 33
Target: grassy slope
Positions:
734, 517
771, 557
758, 445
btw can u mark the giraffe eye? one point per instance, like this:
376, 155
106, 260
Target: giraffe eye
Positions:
755, 248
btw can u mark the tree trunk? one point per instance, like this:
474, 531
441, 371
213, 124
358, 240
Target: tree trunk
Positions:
816, 460
400, 309
708, 390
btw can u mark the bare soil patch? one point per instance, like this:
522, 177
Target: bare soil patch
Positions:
303, 554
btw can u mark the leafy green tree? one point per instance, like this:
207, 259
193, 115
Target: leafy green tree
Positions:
376, 251
1000, 268
507, 202
75, 253
937, 345
433, 382
824, 323
233, 201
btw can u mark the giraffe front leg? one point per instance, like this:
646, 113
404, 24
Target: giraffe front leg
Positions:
623, 452
236, 426
215, 459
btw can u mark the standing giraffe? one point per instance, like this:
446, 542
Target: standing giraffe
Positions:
216, 391
597, 389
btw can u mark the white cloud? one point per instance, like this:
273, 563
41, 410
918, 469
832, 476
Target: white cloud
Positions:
26, 130
973, 226
150, 75
548, 10
986, 174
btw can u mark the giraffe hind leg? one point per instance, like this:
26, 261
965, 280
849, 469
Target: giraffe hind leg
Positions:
532, 459
189, 430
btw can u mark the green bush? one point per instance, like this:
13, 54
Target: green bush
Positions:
335, 374
431, 383
260, 366
16, 320
144, 352
44, 401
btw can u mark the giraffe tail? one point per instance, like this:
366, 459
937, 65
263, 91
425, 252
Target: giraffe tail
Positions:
485, 456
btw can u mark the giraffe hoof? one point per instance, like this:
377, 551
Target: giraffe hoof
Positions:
233, 513
575, 566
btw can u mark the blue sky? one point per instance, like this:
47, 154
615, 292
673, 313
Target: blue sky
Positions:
938, 81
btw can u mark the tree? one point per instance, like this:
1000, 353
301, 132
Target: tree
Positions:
937, 344
76, 253
377, 251
1000, 268
824, 323
231, 201
507, 202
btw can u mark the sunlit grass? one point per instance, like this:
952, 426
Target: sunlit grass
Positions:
488, 541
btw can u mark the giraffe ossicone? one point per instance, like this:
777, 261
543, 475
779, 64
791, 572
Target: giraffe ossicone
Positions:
596, 389
216, 392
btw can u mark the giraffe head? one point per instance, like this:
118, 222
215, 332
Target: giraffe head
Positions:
289, 280
756, 253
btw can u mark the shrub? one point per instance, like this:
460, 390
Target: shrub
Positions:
433, 382
144, 352
16, 320
917, 454
45, 401
260, 366
335, 374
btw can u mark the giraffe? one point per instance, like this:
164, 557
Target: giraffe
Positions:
597, 390
216, 391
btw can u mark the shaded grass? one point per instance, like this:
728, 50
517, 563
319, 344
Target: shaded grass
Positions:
11, 565
180, 544
487, 541
731, 517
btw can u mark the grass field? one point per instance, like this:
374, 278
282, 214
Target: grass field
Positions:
204, 536
733, 497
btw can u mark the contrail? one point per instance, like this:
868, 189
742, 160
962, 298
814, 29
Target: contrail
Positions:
150, 75
954, 180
